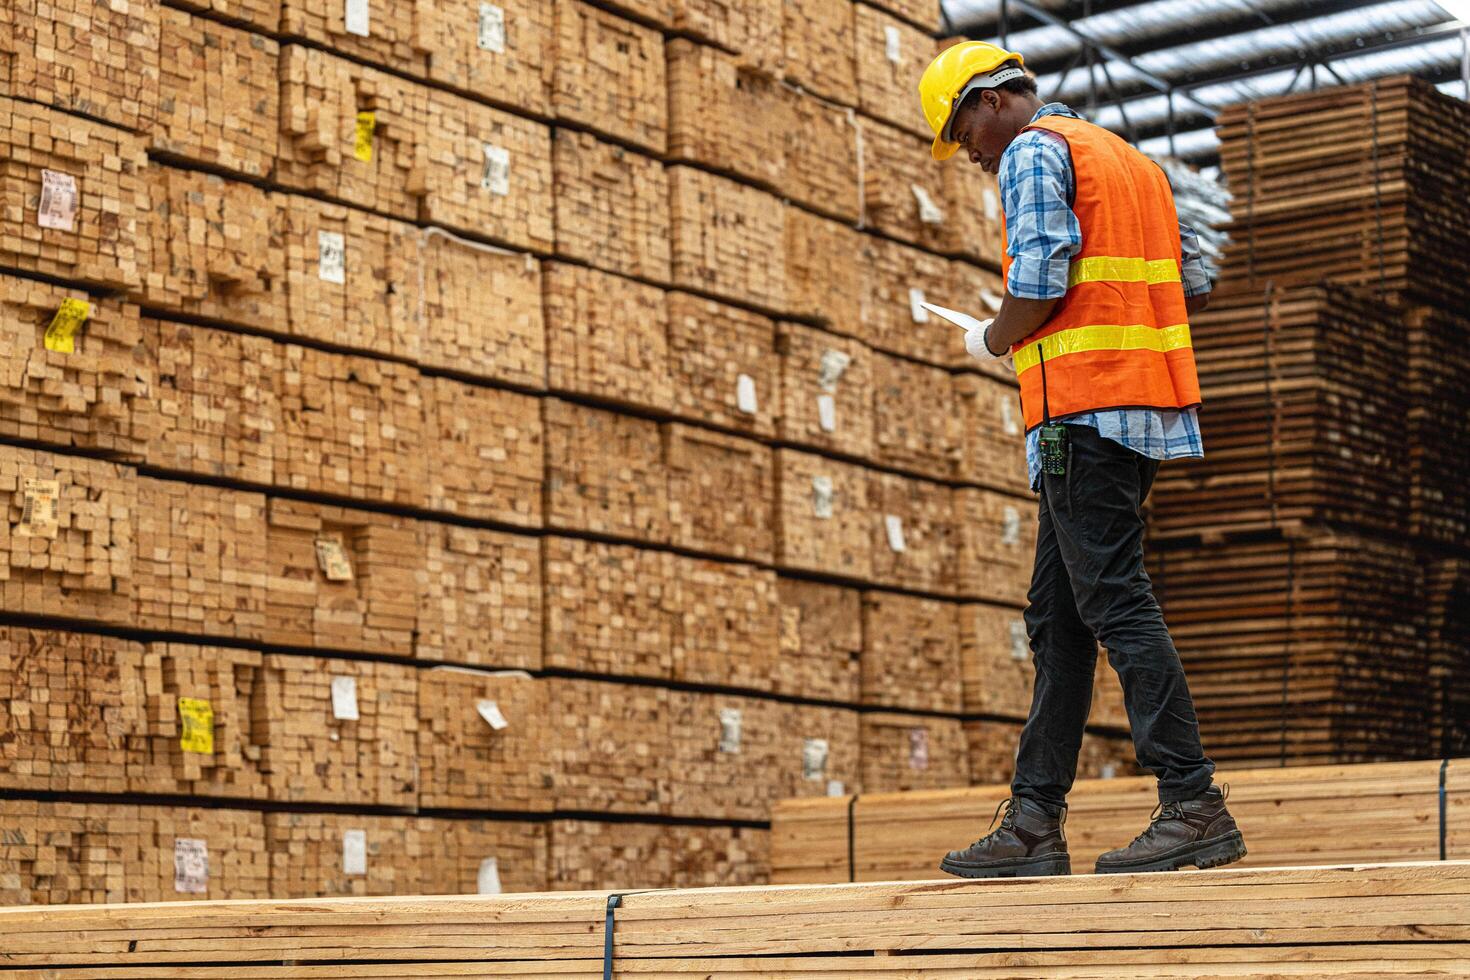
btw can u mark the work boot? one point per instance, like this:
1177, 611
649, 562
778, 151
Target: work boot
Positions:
1199, 832
1029, 842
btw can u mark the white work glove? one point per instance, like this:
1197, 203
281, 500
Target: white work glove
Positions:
976, 346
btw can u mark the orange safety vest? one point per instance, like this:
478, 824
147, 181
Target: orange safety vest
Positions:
1119, 338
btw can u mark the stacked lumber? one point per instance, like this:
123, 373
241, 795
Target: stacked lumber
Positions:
922, 13
817, 751
610, 75
818, 35
996, 671
903, 189
910, 752
612, 207
891, 56
1445, 595
319, 855
481, 603
826, 391
821, 641
608, 608
910, 653
724, 365
486, 452
996, 546
1438, 385
916, 420
992, 450
642, 855
478, 740
914, 533
826, 273
751, 28
726, 624
504, 53
724, 235
720, 748
607, 337
720, 493
899, 278
483, 857
608, 746
823, 159
823, 516
605, 473
376, 31
198, 855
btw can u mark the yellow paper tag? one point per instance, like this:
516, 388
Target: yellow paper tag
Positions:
196, 734
332, 557
362, 141
62, 333
38, 514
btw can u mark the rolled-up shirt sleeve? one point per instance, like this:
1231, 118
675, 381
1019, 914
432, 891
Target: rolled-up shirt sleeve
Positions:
1042, 231
1192, 267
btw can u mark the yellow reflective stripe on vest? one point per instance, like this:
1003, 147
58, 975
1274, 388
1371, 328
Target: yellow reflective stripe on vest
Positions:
1110, 268
1081, 339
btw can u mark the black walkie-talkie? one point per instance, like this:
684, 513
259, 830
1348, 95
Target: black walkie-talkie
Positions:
1053, 438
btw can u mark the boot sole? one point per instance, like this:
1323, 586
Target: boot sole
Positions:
1204, 855
1042, 867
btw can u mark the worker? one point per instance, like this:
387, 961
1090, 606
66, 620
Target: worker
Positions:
1099, 280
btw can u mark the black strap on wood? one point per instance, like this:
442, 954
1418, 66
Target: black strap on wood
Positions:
613, 901
851, 839
1443, 808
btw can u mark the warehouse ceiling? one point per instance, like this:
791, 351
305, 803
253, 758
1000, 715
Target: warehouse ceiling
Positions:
1149, 67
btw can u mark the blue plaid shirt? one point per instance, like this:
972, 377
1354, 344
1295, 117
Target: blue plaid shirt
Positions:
1037, 185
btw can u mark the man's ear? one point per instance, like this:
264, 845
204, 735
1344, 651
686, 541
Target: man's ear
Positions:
991, 98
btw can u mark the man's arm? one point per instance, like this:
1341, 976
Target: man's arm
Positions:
1192, 271
1018, 318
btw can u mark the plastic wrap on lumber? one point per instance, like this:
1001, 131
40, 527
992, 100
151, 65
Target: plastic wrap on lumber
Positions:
824, 518
826, 390
608, 75
916, 422
501, 51
721, 755
482, 739
992, 441
726, 238
322, 855
612, 207
605, 473
819, 39
380, 32
817, 751
724, 365
480, 313
821, 641
609, 608
67, 542
997, 545
213, 248
827, 273
995, 661
90, 177
219, 95
607, 337
726, 623
485, 452
96, 396
482, 599
483, 857
633, 855
721, 493
750, 27
609, 746
903, 188
910, 752
915, 533
706, 83
891, 56
911, 653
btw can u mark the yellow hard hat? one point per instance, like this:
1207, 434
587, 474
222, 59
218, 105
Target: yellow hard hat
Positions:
950, 75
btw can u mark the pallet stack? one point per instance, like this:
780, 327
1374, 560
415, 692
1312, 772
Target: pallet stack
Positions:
502, 446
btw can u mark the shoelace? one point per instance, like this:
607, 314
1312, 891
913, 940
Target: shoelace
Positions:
1007, 822
1162, 812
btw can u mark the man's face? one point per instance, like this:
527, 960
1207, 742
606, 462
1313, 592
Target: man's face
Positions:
980, 132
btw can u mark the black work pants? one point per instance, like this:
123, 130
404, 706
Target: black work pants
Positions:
1089, 587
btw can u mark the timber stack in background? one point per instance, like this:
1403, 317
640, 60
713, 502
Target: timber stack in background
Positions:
494, 448
1314, 565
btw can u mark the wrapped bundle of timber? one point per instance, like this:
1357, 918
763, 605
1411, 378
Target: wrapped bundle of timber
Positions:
726, 625
501, 51
609, 746
98, 60
612, 207
911, 653
915, 538
198, 855
721, 756
67, 542
350, 427
826, 390
997, 545
607, 337
608, 75
1305, 423
818, 35
821, 641
906, 752
993, 754
992, 433
725, 238
73, 378
479, 312
341, 731
381, 32
720, 493
67, 853
260, 15
641, 855
821, 156
351, 278
706, 83
827, 272
485, 452
816, 753
1320, 659
201, 560
75, 197
605, 473
481, 603
341, 579
891, 55
724, 365
916, 419
483, 857
219, 95
995, 661
65, 724
899, 279
197, 720
321, 855
482, 740
609, 608
971, 200
1439, 427
904, 191
824, 519
212, 248
214, 409
751, 28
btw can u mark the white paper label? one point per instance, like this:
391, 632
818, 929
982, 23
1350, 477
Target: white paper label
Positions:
1008, 420
992, 203
814, 759
344, 698
745, 399
356, 17
191, 866
822, 502
1010, 527
916, 305
496, 176
832, 367
492, 28
331, 257
991, 299
730, 730
354, 852
487, 882
490, 711
827, 413
1020, 648
893, 42
918, 748
58, 208
929, 212
1109, 770
894, 524
836, 787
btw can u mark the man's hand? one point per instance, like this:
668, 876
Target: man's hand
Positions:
976, 345
1195, 304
